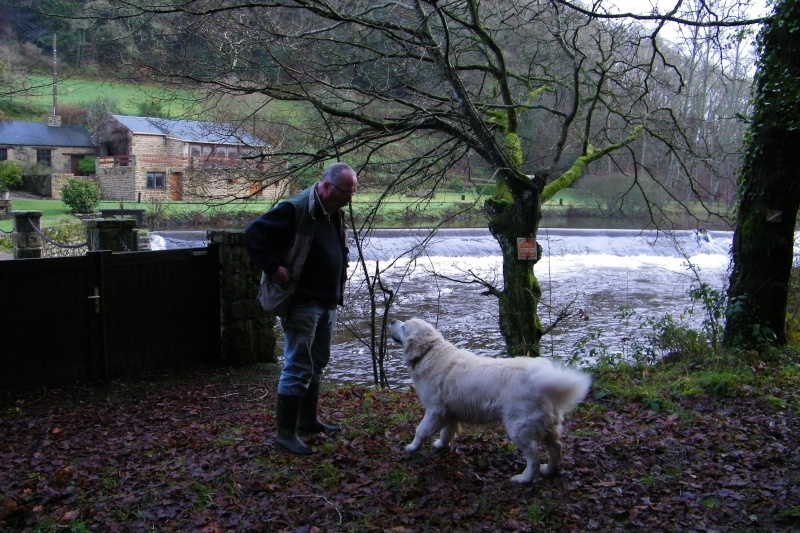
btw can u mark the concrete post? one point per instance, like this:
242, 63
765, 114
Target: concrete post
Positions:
27, 235
115, 234
248, 332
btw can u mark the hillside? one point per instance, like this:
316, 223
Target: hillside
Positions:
74, 96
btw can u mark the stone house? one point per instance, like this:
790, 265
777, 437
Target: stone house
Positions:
158, 159
47, 151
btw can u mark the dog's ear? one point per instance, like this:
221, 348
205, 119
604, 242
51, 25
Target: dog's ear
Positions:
417, 340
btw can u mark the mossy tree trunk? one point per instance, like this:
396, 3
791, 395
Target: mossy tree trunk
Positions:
519, 299
769, 196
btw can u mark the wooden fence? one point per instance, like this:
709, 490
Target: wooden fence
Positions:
105, 314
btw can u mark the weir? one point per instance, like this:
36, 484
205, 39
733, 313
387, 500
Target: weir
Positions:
383, 245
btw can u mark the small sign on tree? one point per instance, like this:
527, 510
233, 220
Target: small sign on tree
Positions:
526, 249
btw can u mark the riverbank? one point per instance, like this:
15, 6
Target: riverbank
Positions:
193, 451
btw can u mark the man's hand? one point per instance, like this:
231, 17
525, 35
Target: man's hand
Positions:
281, 275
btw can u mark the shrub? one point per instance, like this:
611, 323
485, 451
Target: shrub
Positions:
86, 165
82, 196
73, 115
457, 185
151, 108
10, 175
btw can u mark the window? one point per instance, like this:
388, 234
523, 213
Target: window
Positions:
3, 154
155, 180
43, 157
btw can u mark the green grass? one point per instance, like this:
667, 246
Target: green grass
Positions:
395, 211
78, 93
724, 375
55, 212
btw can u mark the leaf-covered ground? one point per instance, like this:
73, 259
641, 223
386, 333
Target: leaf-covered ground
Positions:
194, 452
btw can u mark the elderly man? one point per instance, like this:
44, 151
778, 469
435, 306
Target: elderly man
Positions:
301, 246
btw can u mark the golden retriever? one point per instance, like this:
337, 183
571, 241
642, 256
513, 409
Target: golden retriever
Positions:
530, 396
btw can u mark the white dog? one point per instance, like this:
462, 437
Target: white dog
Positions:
530, 396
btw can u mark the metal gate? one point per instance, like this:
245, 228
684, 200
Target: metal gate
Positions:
106, 314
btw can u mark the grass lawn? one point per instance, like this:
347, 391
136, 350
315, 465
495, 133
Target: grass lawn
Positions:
55, 212
79, 93
459, 208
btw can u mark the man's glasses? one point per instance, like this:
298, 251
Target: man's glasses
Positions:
346, 193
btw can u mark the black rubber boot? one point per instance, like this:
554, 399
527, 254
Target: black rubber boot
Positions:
287, 426
308, 413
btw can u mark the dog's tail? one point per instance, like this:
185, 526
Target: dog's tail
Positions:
566, 387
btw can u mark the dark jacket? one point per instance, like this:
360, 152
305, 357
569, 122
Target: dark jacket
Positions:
297, 234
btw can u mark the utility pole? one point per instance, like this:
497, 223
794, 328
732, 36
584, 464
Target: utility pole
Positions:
54, 119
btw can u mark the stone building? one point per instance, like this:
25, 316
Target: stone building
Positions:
157, 159
49, 152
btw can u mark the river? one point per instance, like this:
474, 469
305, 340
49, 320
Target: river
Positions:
591, 272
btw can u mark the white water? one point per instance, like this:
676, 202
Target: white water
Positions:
594, 271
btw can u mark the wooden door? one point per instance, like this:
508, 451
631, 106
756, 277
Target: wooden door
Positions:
176, 186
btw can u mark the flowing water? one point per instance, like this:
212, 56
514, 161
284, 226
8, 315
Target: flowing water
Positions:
593, 273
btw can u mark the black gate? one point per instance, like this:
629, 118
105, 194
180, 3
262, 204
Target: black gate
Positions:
107, 314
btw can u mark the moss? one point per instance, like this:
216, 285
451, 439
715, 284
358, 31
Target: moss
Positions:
514, 147
577, 168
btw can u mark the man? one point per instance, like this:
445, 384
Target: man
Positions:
301, 245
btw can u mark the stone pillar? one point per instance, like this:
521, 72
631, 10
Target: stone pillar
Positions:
115, 234
142, 238
248, 332
27, 236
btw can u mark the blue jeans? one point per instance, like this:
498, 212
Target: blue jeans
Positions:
307, 335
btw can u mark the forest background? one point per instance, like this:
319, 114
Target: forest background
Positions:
95, 78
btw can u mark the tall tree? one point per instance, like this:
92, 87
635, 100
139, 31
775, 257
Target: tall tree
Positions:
536, 90
769, 197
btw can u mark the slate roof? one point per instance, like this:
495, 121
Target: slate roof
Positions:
190, 130
40, 134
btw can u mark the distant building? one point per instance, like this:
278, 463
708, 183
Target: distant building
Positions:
45, 150
146, 158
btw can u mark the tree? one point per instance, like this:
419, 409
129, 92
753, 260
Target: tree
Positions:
530, 93
763, 243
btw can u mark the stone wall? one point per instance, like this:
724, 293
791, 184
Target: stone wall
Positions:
60, 157
117, 183
58, 181
149, 145
248, 332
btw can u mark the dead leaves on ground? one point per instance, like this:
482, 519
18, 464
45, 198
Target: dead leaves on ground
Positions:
195, 453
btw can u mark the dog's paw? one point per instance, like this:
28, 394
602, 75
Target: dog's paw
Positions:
546, 471
411, 448
439, 444
522, 478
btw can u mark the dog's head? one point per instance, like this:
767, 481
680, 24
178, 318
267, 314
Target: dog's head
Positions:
416, 336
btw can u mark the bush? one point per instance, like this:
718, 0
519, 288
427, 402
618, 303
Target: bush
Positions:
10, 175
151, 108
86, 165
82, 196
